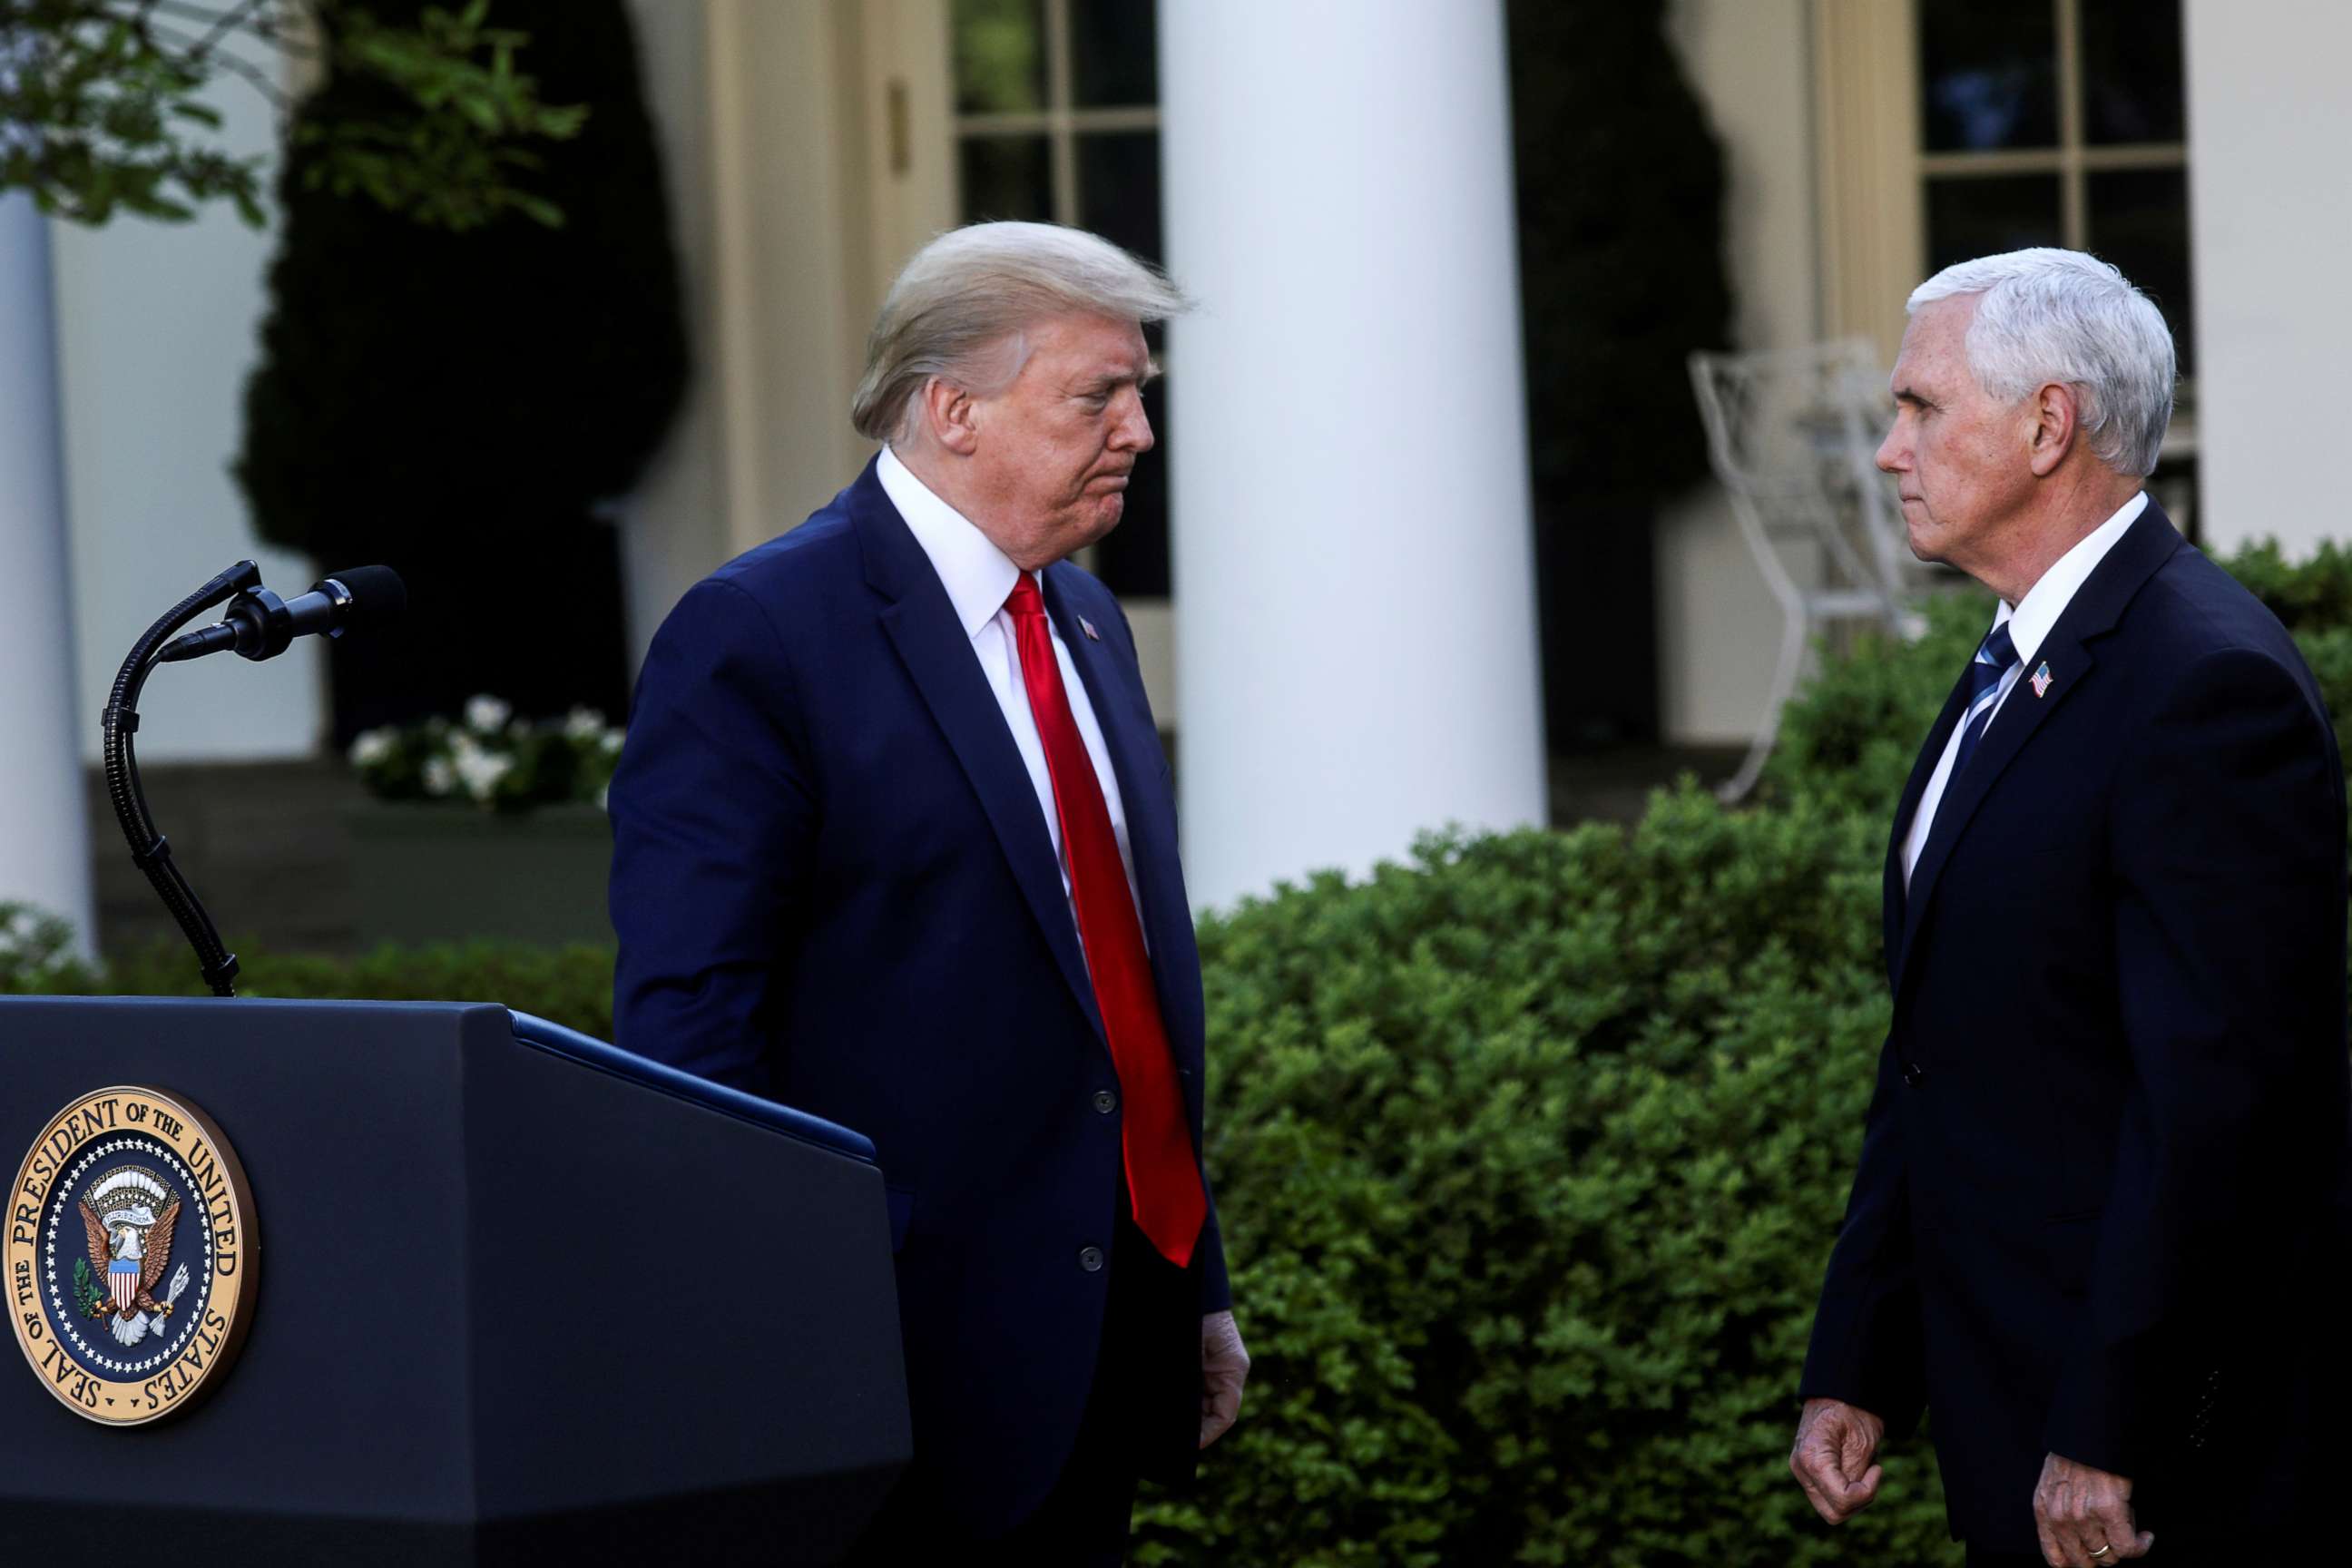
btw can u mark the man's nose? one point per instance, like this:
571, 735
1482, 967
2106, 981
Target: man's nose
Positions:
1134, 431
1892, 456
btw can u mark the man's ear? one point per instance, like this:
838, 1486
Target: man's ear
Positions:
2056, 411
949, 415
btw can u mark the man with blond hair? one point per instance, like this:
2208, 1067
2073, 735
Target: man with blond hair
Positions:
893, 843
2106, 1167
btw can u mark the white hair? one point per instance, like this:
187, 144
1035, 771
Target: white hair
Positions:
959, 308
2045, 315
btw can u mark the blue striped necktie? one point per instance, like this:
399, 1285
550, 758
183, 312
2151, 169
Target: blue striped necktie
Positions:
1996, 657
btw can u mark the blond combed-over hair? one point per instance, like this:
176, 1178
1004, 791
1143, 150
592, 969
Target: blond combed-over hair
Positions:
959, 308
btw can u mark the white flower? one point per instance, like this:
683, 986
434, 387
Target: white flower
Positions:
582, 725
488, 714
611, 742
440, 778
481, 772
370, 747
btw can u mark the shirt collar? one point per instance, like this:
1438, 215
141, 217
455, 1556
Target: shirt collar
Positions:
978, 576
2038, 612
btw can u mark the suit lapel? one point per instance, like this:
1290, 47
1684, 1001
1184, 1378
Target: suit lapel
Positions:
1939, 736
2091, 613
921, 624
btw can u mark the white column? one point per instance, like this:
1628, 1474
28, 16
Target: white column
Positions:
1356, 642
2268, 120
44, 834
158, 328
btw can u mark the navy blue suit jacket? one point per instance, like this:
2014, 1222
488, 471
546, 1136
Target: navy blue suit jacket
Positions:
2106, 1159
832, 884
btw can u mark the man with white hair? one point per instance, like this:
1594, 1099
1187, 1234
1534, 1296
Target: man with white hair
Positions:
893, 843
2104, 1171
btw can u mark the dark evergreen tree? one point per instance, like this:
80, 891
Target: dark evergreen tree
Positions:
455, 405
1621, 276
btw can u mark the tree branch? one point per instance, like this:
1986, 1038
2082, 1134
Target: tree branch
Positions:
197, 61
233, 17
268, 29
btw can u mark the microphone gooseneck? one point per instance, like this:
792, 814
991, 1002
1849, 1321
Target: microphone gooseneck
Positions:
258, 624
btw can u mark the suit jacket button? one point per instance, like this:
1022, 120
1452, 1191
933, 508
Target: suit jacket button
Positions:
1106, 1101
1091, 1259
1912, 1073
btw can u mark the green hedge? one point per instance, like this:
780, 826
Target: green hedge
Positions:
570, 985
1529, 1155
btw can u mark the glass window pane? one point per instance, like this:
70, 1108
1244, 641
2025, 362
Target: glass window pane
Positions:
2140, 221
2131, 71
1007, 176
1114, 54
1971, 217
999, 56
1132, 558
1988, 74
1119, 189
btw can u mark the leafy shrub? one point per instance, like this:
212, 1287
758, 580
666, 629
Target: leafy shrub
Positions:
1848, 737
1529, 1157
571, 985
36, 948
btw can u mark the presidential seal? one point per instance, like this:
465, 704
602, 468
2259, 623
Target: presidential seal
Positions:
129, 1264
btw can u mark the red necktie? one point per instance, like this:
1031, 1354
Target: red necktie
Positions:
1163, 1179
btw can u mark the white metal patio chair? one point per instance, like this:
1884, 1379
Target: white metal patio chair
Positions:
1791, 434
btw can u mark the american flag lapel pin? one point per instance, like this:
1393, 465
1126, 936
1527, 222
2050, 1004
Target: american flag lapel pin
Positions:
1087, 626
2042, 680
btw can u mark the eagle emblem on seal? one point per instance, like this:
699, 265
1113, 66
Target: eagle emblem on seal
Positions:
129, 1247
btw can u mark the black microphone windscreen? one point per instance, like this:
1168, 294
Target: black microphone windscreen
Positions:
375, 591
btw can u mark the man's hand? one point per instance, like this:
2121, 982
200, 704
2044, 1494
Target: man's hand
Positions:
1224, 1367
2084, 1517
1832, 1457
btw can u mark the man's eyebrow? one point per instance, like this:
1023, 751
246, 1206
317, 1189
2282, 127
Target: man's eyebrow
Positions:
1908, 393
1103, 381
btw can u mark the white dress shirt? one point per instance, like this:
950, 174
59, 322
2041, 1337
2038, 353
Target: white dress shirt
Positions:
2029, 624
978, 578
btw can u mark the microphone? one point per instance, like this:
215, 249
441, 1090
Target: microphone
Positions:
259, 624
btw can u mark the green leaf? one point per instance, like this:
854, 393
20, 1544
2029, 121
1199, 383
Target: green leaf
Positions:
539, 209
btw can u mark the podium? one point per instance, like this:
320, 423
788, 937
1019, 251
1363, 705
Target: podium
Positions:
520, 1297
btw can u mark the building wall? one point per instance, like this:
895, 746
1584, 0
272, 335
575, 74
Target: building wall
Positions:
2270, 227
156, 334
791, 216
1718, 627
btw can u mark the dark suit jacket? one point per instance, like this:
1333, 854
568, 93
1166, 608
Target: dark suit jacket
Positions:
2106, 1162
833, 884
